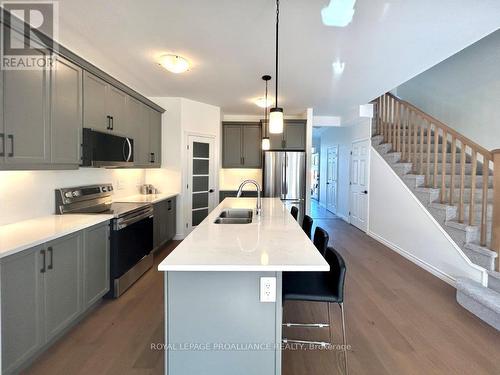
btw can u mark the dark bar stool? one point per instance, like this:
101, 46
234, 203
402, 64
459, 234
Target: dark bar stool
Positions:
295, 212
327, 287
307, 225
321, 238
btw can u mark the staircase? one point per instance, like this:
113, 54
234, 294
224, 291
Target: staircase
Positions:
454, 179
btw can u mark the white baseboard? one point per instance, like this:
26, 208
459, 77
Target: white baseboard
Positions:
345, 218
419, 262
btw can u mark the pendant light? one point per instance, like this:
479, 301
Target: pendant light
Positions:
276, 113
266, 143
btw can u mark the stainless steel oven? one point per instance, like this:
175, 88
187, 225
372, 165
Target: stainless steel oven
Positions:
131, 234
131, 246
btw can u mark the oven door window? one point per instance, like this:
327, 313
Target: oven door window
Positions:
129, 245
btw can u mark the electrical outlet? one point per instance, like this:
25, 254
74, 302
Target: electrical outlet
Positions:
268, 289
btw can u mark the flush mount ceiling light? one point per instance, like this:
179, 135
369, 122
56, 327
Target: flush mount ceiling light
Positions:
276, 113
263, 102
338, 13
266, 142
174, 63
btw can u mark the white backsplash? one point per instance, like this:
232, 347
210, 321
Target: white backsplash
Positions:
231, 178
28, 194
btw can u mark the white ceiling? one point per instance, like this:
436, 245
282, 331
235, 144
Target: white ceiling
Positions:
231, 45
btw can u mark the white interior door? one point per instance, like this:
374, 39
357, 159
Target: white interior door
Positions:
201, 186
359, 184
332, 171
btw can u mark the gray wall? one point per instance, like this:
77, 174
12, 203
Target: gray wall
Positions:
463, 91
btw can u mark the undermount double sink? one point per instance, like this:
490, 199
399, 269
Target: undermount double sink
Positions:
234, 216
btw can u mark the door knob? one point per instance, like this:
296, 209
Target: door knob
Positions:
365, 192
211, 190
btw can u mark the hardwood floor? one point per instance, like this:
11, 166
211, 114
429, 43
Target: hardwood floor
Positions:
400, 320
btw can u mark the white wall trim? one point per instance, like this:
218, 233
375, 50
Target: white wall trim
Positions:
435, 222
419, 262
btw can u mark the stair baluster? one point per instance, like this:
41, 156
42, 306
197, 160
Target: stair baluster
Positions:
453, 169
472, 204
421, 130
436, 150
428, 167
484, 207
462, 183
444, 150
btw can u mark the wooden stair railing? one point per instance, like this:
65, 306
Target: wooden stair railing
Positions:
410, 131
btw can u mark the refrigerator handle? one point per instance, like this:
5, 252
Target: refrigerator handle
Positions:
286, 170
283, 178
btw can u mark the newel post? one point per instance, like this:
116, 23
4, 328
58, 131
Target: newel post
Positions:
495, 225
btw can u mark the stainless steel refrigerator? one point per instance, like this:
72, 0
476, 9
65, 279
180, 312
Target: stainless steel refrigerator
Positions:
284, 176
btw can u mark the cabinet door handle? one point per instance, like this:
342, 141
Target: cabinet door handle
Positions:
43, 261
283, 143
112, 123
11, 137
51, 258
2, 135
109, 122
243, 160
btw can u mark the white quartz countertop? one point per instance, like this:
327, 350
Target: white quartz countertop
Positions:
274, 241
146, 198
26, 234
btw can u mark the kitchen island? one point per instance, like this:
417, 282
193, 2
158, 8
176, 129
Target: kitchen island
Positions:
223, 307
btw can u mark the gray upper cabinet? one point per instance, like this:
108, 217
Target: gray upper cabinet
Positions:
232, 147
43, 112
145, 125
26, 125
116, 108
139, 123
95, 115
154, 138
22, 304
252, 146
292, 138
62, 291
104, 106
295, 135
66, 112
241, 145
95, 264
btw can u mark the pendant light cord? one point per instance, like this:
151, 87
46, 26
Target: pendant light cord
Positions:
265, 114
277, 30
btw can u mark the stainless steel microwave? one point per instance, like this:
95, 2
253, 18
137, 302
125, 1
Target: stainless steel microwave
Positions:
106, 150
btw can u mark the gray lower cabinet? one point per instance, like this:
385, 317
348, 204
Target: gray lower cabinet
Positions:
66, 112
242, 145
22, 307
26, 128
164, 221
62, 277
47, 288
95, 264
